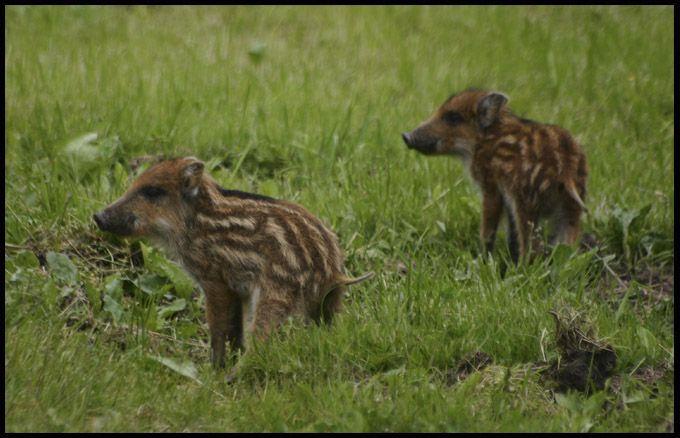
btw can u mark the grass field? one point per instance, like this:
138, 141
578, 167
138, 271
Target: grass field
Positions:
307, 104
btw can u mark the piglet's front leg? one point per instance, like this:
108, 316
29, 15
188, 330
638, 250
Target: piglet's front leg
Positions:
492, 207
223, 311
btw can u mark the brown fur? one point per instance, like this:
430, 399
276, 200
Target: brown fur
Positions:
528, 169
259, 260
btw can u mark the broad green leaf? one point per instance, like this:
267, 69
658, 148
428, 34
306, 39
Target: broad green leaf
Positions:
119, 175
269, 188
62, 267
647, 339
84, 154
114, 308
152, 284
93, 296
114, 286
176, 306
185, 368
256, 52
50, 292
26, 259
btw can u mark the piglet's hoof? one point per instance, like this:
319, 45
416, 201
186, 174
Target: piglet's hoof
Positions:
231, 375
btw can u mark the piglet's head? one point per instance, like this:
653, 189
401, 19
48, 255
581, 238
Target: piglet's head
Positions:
458, 125
155, 203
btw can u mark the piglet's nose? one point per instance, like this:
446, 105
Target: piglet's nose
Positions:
98, 218
407, 140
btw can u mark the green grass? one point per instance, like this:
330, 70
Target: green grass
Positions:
307, 104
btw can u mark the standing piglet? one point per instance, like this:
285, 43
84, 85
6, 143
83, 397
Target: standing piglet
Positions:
528, 169
259, 260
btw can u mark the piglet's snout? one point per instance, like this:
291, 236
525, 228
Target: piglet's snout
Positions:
100, 219
407, 139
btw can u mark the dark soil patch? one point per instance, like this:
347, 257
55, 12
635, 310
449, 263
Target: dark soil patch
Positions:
583, 363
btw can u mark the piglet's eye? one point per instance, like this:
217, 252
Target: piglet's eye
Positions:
152, 192
453, 117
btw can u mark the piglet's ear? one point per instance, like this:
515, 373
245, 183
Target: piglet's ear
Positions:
190, 177
489, 108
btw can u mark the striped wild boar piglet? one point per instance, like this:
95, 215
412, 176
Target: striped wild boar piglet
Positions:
259, 260
528, 169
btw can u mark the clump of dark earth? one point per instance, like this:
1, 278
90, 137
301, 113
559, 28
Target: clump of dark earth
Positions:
584, 363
